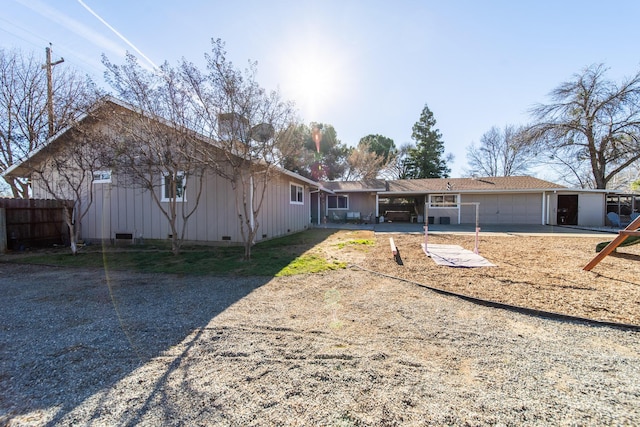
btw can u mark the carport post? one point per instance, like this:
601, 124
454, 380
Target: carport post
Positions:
476, 249
426, 227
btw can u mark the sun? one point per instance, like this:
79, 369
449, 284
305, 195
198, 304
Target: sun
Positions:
313, 77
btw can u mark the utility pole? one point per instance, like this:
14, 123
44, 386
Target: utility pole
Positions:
48, 66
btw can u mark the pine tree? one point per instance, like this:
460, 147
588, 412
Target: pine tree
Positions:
427, 160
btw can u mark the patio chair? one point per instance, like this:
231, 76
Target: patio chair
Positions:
614, 219
368, 218
335, 217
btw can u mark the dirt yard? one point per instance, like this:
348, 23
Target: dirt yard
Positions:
538, 272
349, 347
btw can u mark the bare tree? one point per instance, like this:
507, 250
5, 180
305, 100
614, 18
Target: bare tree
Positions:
363, 164
65, 171
398, 166
23, 107
592, 121
372, 157
248, 125
504, 152
155, 147
190, 122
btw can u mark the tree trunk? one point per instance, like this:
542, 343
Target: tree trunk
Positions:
73, 235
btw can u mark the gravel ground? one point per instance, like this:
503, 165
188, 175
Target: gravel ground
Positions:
344, 348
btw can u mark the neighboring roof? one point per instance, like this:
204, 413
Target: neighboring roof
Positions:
471, 184
418, 186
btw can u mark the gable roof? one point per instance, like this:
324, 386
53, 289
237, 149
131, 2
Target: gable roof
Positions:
21, 167
431, 185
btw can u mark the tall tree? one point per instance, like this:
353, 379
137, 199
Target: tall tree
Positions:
316, 152
505, 152
427, 159
381, 145
591, 121
23, 107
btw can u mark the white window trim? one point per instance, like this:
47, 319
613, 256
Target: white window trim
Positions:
298, 186
105, 176
452, 206
346, 196
183, 198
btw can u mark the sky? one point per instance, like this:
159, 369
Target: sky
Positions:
363, 66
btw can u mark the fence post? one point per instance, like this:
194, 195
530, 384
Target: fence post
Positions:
3, 231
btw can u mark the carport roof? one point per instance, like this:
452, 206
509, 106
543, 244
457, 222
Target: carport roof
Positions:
502, 183
471, 184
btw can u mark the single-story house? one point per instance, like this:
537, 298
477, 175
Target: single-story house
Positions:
294, 203
493, 200
118, 208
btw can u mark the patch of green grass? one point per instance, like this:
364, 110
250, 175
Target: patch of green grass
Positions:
277, 257
309, 264
364, 242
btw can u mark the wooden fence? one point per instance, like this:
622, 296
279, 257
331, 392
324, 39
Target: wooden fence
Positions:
33, 223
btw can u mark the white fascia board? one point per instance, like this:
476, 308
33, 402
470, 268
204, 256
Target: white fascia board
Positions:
364, 190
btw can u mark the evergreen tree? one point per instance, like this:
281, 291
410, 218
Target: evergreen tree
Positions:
427, 159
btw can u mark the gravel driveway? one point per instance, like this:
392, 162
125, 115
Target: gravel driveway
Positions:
343, 348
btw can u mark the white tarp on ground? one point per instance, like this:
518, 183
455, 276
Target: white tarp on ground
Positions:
455, 256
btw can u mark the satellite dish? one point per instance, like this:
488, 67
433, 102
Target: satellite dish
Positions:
262, 132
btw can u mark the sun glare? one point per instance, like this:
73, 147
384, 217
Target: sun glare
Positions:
314, 78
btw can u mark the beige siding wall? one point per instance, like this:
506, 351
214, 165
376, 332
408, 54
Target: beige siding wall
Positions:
515, 208
437, 213
118, 209
365, 203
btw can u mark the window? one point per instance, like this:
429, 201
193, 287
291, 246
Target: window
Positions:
102, 177
180, 186
338, 202
297, 194
443, 201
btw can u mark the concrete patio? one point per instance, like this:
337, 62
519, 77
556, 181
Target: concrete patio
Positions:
515, 229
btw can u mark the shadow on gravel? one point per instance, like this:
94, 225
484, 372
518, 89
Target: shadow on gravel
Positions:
67, 334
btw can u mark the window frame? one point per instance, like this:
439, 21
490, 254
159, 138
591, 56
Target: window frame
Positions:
163, 187
299, 194
337, 204
101, 173
444, 204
